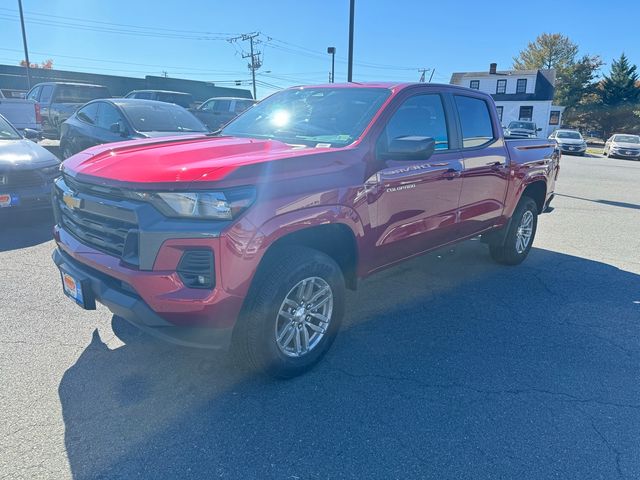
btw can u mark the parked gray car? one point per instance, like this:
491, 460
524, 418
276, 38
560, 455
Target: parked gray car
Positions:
569, 141
624, 146
27, 171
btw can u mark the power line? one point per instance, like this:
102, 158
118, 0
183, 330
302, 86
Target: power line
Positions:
255, 61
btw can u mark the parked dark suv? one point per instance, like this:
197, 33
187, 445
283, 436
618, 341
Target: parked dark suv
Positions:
58, 101
179, 98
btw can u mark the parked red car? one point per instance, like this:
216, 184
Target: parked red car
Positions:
250, 237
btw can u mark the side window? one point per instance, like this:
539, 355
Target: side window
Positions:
108, 116
475, 121
89, 113
221, 106
45, 96
142, 95
421, 116
33, 94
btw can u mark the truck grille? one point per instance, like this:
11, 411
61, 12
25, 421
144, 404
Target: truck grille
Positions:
104, 229
29, 178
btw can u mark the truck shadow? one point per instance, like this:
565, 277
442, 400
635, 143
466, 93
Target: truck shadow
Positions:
25, 229
446, 365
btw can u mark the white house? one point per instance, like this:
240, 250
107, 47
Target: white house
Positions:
519, 94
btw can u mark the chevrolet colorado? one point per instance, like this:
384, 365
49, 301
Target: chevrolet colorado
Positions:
248, 237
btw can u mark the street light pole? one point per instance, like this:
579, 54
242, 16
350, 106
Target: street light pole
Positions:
24, 41
332, 51
350, 66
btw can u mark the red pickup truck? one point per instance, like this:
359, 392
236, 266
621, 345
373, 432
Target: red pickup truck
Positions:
249, 236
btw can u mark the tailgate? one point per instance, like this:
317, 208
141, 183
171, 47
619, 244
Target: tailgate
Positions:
20, 113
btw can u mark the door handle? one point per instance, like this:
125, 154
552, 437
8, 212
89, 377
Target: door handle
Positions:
495, 165
451, 174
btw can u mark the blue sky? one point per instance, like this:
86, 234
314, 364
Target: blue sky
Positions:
393, 39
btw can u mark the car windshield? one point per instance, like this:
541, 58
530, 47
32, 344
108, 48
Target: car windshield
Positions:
522, 125
627, 138
147, 116
79, 93
572, 135
311, 116
7, 132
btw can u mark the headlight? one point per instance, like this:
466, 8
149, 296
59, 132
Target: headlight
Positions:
213, 205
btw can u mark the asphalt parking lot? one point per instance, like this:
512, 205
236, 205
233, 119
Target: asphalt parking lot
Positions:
448, 367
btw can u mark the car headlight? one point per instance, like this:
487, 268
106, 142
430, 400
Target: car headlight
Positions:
211, 205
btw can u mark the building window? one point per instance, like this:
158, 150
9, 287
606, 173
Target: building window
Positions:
501, 87
475, 84
521, 86
499, 108
554, 117
526, 113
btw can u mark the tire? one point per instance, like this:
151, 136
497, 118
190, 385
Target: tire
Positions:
270, 334
511, 252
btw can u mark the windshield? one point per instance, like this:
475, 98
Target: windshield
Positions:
161, 117
80, 93
311, 116
522, 125
572, 135
7, 132
627, 138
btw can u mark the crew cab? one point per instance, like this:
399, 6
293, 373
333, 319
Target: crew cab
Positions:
247, 238
57, 101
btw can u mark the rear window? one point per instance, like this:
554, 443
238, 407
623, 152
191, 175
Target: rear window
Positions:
79, 93
475, 120
161, 117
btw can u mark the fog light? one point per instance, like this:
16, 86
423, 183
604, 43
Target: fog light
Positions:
196, 269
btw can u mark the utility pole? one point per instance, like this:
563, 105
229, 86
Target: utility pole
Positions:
332, 51
26, 50
422, 72
352, 8
431, 76
254, 55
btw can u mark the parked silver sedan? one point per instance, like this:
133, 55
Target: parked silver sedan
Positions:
623, 146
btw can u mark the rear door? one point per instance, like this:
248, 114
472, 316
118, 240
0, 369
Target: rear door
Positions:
109, 125
413, 204
486, 166
82, 131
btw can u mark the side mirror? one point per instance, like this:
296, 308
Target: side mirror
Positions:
539, 129
409, 148
118, 128
31, 134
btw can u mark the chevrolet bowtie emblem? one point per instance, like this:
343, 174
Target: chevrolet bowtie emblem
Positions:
71, 200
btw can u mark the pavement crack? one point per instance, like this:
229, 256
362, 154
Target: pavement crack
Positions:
605, 441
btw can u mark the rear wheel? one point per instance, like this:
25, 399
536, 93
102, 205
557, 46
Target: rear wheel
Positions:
295, 310
520, 234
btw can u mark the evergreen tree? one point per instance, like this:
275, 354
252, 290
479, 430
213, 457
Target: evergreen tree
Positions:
620, 87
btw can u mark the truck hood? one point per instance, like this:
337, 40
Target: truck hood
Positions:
178, 159
24, 153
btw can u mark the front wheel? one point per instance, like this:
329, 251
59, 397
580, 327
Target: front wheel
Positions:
520, 234
294, 313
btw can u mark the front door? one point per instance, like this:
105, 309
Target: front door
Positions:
414, 204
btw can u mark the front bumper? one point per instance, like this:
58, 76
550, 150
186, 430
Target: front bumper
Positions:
625, 153
579, 149
28, 198
123, 301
